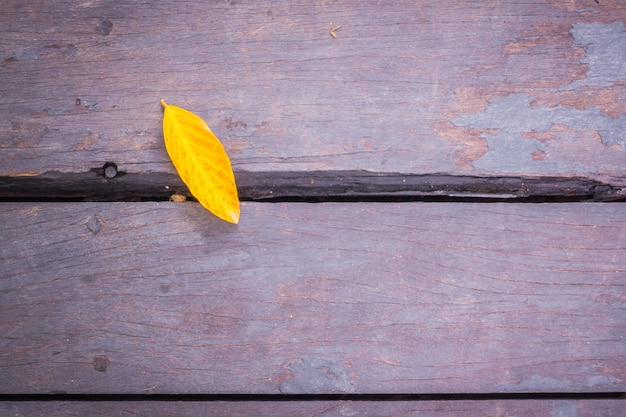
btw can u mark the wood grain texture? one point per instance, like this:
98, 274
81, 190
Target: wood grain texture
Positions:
475, 87
139, 298
565, 408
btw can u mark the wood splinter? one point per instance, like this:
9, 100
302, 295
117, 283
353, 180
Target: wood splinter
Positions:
333, 29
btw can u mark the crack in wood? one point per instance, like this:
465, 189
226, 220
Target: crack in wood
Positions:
283, 398
316, 186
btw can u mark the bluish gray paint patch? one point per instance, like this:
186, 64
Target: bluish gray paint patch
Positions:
513, 115
605, 53
587, 10
564, 409
316, 375
535, 383
21, 55
602, 380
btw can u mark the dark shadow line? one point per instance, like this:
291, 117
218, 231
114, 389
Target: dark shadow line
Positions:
311, 397
312, 186
334, 199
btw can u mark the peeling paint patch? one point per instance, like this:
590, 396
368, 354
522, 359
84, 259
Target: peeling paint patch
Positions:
602, 380
587, 10
564, 409
23, 135
536, 383
605, 53
316, 375
513, 127
23, 54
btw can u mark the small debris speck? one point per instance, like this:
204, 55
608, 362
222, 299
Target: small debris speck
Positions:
178, 198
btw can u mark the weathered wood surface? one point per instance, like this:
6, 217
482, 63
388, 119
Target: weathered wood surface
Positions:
558, 408
484, 88
139, 298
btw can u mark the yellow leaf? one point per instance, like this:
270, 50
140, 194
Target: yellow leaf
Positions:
201, 162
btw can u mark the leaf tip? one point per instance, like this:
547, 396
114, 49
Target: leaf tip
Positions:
234, 217
231, 215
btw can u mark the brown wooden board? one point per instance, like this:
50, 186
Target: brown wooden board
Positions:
486, 88
163, 298
565, 408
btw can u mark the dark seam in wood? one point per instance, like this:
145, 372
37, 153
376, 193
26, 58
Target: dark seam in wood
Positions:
313, 397
318, 186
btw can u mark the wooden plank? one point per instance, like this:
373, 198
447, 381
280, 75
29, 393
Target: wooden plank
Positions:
589, 408
137, 298
480, 88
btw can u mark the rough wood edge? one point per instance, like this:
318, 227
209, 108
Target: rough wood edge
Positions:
576, 407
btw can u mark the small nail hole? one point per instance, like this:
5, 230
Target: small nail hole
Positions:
109, 170
94, 224
100, 363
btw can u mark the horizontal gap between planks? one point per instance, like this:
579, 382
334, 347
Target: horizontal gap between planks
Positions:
311, 186
312, 397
